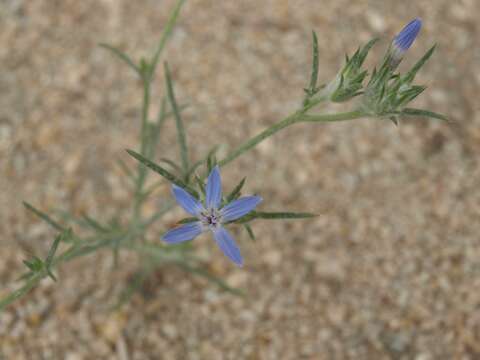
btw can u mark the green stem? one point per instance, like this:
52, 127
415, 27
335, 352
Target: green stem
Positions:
344, 116
16, 294
249, 144
77, 251
147, 81
36, 278
142, 170
296, 117
165, 35
181, 137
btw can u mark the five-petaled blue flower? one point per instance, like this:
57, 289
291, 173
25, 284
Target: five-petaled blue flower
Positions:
407, 36
211, 216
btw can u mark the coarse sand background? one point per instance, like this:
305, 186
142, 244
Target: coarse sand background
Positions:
389, 270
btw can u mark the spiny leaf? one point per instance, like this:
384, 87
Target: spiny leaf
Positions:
44, 217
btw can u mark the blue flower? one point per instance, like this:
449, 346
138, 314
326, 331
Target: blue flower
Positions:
211, 216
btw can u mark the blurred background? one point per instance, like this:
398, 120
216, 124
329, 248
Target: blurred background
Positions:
389, 270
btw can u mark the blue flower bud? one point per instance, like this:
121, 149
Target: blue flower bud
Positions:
404, 39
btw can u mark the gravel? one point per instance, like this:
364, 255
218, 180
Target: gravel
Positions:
390, 268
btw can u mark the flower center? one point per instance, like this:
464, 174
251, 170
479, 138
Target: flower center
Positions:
211, 218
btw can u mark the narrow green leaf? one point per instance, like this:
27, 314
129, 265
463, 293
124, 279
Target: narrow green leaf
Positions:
274, 216
156, 128
200, 184
424, 113
394, 120
236, 191
161, 171
144, 69
314, 76
211, 162
181, 137
362, 55
34, 264
51, 254
249, 231
63, 237
188, 220
122, 56
95, 225
44, 217
194, 167
172, 164
410, 75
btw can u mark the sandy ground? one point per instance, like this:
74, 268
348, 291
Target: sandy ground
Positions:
391, 268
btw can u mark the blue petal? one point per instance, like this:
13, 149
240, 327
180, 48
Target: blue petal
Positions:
213, 189
183, 233
187, 201
226, 243
406, 37
238, 208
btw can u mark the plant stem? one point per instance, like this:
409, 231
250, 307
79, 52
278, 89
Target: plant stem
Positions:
77, 251
165, 35
147, 78
350, 115
181, 137
16, 294
249, 144
296, 117
142, 170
